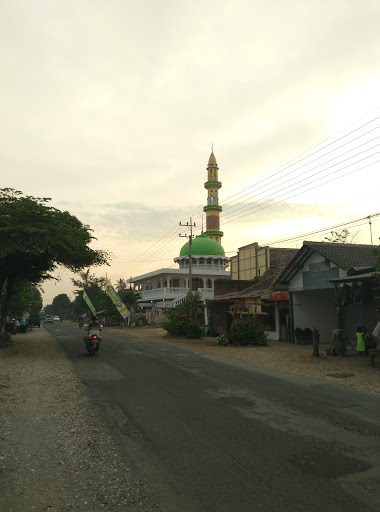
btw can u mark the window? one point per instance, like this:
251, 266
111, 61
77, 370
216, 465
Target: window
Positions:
320, 266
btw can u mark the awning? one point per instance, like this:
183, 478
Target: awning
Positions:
355, 278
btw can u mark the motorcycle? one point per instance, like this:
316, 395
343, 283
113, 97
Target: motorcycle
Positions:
92, 340
11, 327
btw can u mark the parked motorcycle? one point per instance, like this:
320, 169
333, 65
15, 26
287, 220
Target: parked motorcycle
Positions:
11, 327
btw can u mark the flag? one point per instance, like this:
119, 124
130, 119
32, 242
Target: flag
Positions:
119, 304
89, 303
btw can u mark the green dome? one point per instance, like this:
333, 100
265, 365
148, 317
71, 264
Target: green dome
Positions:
203, 245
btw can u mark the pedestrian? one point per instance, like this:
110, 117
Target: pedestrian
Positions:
376, 335
360, 345
22, 324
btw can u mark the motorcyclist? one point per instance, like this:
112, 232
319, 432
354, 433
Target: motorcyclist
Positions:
93, 328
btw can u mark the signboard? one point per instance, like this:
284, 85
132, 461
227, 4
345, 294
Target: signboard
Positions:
279, 296
89, 303
119, 304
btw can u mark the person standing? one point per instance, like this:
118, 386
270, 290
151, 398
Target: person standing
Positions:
22, 324
376, 335
360, 344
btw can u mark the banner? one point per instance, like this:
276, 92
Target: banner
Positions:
89, 303
119, 304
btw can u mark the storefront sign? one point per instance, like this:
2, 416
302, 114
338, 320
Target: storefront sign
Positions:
279, 296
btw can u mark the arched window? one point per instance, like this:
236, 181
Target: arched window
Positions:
209, 283
209, 261
197, 283
201, 261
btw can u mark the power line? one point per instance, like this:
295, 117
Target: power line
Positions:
168, 239
303, 191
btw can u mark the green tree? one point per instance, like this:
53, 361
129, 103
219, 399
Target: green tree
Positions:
121, 285
35, 239
61, 305
25, 298
186, 319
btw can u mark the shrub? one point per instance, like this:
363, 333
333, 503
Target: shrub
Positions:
181, 325
193, 329
245, 331
222, 340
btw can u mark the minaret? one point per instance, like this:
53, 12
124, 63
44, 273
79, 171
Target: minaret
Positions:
212, 185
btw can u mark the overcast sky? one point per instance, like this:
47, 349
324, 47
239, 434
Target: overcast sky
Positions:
110, 108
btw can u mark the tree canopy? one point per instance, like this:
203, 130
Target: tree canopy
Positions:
36, 238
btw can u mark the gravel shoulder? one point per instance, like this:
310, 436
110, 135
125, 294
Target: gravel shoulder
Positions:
350, 370
55, 452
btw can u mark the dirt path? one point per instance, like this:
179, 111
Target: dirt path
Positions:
55, 453
351, 370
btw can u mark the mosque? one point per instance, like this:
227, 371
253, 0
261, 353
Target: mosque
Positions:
201, 261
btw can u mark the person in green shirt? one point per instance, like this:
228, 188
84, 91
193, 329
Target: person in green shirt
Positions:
360, 345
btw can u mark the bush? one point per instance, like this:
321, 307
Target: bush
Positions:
193, 330
222, 340
181, 325
245, 331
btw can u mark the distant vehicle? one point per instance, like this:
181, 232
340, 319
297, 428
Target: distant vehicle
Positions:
35, 320
48, 319
56, 319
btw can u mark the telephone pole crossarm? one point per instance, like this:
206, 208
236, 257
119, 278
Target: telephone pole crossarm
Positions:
191, 236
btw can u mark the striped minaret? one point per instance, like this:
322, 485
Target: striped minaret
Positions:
213, 209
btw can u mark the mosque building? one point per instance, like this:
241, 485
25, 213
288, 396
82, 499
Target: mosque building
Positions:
201, 261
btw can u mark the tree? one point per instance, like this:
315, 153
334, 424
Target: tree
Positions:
61, 305
25, 298
121, 285
35, 239
341, 237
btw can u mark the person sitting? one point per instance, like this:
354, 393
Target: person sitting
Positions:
93, 328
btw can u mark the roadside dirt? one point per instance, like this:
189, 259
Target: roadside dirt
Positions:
55, 452
350, 370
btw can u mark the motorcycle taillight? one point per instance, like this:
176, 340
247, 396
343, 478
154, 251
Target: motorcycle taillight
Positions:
94, 337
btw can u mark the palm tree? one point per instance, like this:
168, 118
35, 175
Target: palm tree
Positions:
121, 285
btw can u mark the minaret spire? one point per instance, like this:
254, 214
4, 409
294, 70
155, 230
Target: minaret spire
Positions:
213, 208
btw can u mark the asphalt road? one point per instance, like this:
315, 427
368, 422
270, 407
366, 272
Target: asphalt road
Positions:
206, 434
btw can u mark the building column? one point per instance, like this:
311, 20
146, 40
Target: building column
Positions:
291, 318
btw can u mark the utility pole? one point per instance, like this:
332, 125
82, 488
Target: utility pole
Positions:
191, 226
370, 227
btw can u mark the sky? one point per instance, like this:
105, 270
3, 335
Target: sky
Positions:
111, 109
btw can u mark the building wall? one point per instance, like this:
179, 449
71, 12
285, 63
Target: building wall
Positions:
251, 261
309, 273
223, 286
316, 306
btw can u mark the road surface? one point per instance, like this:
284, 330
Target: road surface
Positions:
206, 434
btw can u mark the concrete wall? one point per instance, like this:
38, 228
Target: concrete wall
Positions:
316, 306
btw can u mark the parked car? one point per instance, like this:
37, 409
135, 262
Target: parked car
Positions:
56, 319
48, 319
35, 320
